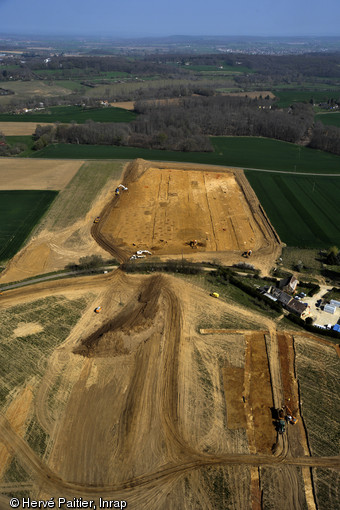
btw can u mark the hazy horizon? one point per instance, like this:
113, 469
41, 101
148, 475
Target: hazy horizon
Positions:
135, 19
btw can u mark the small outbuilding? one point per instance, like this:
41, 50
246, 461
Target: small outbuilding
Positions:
289, 284
329, 308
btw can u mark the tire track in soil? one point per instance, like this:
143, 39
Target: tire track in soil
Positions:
181, 458
42, 473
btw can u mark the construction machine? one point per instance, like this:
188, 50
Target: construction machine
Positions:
247, 253
98, 309
96, 220
124, 188
290, 417
193, 243
215, 294
280, 422
281, 426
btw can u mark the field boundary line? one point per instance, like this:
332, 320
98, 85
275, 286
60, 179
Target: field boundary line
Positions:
225, 165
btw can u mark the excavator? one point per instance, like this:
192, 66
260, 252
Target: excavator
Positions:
289, 416
247, 253
124, 188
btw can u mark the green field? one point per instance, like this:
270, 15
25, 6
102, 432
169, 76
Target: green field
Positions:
80, 74
74, 202
20, 211
25, 140
225, 69
71, 85
111, 75
245, 152
67, 114
287, 97
304, 210
330, 119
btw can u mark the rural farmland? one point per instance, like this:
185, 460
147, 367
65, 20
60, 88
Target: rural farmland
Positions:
66, 114
330, 119
169, 266
303, 209
182, 414
17, 222
244, 152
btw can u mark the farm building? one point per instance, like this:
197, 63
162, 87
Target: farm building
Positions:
290, 304
281, 296
296, 307
289, 284
335, 303
329, 308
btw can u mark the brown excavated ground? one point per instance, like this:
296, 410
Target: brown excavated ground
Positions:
139, 413
52, 249
168, 205
36, 174
147, 409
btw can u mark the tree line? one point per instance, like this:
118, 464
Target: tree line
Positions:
187, 124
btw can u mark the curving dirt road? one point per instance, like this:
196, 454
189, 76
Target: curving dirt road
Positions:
122, 432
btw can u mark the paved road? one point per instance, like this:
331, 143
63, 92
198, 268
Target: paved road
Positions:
53, 277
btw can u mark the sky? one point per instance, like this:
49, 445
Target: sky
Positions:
138, 18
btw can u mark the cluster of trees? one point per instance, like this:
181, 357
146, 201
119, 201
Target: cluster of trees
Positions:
226, 115
307, 65
333, 256
90, 263
122, 134
10, 149
273, 67
326, 138
94, 65
186, 124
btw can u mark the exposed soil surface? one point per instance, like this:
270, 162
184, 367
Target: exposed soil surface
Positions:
34, 174
19, 128
137, 404
168, 206
51, 248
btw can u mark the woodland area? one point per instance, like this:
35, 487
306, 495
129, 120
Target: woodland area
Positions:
187, 124
197, 82
282, 66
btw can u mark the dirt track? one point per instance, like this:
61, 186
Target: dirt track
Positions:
140, 413
139, 442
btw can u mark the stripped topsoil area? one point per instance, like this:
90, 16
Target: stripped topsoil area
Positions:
168, 206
